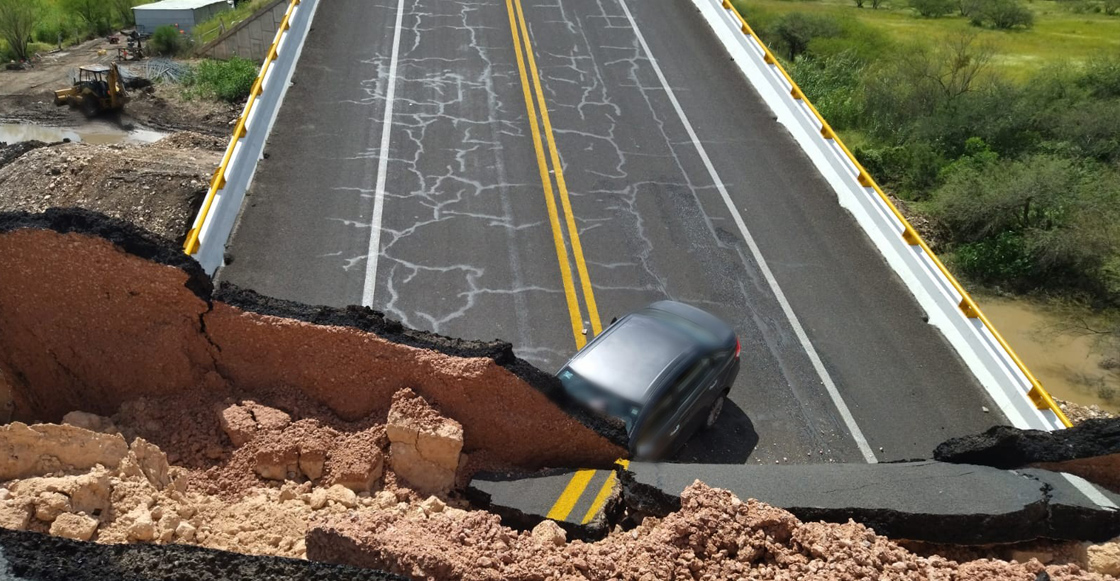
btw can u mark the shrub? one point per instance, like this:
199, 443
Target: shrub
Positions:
230, 80
832, 84
167, 41
795, 30
1000, 14
1102, 77
1004, 258
1039, 222
933, 8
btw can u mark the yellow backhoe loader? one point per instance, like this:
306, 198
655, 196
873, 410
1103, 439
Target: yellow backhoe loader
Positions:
98, 89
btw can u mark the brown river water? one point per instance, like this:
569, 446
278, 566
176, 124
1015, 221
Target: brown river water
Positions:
1067, 363
95, 132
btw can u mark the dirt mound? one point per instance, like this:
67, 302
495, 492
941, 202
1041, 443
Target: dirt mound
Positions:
156, 186
193, 140
12, 152
714, 536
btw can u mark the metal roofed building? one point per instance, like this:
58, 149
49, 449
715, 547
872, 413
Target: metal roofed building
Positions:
184, 14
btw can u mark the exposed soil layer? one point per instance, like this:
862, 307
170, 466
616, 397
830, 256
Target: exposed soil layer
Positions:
714, 536
36, 557
95, 312
157, 186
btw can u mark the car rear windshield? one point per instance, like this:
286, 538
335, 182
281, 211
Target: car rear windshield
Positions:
599, 399
690, 328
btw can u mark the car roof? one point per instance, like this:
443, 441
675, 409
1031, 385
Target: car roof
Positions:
95, 68
720, 331
630, 358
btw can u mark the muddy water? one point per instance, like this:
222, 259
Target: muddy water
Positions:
1066, 363
96, 133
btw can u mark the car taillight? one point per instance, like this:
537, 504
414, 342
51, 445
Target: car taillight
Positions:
737, 347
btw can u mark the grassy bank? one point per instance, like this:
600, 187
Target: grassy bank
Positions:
1059, 34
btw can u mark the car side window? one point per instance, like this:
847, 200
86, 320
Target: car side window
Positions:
673, 399
687, 383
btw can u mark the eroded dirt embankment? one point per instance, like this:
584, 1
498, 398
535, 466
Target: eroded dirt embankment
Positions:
95, 312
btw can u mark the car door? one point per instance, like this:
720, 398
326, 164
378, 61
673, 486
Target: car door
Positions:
652, 436
694, 395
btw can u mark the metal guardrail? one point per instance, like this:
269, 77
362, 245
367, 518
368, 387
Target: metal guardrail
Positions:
966, 305
198, 234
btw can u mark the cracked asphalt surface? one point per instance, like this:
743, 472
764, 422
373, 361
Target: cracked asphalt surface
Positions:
466, 247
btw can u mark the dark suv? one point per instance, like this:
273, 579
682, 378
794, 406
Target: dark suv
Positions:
665, 371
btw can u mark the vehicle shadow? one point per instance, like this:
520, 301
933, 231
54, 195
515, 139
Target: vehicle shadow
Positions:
730, 441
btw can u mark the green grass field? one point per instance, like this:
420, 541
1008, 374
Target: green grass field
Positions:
1058, 35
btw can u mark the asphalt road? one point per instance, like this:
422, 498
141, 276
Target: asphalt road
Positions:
669, 162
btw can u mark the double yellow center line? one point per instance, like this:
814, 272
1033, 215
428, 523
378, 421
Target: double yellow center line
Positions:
521, 31
522, 45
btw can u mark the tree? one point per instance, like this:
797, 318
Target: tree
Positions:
18, 19
875, 4
1001, 14
796, 29
95, 13
859, 3
122, 9
933, 8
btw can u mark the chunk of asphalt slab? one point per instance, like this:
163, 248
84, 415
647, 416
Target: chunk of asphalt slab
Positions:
523, 501
1007, 447
1078, 509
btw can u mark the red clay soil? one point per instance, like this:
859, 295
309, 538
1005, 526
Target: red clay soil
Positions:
356, 373
85, 325
91, 326
714, 536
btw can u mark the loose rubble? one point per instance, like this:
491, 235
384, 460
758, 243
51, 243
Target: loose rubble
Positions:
1078, 413
299, 483
714, 536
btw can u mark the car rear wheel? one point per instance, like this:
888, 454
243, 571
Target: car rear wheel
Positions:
714, 411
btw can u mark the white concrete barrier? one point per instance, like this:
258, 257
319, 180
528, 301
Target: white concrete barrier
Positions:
949, 307
206, 241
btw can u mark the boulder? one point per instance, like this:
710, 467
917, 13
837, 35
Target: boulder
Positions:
151, 462
28, 451
355, 464
424, 446
15, 515
78, 527
237, 423
51, 504
549, 533
277, 462
1105, 558
92, 422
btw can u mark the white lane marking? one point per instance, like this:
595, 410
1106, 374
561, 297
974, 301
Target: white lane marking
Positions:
826, 379
382, 167
1090, 491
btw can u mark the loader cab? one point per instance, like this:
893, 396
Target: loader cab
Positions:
95, 78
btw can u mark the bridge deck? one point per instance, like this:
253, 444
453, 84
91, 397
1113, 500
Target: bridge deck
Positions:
467, 245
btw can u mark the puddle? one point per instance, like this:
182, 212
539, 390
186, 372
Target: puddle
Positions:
1067, 363
94, 133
